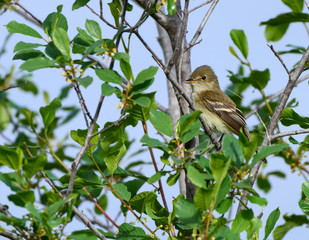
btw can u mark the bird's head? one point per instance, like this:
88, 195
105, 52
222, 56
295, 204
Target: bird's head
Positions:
203, 78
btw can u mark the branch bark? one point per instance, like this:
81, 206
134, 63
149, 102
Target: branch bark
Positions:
275, 119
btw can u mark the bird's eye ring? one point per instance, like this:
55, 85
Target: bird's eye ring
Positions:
204, 77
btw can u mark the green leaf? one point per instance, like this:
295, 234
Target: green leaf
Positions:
171, 7
240, 40
173, 178
108, 75
304, 205
188, 126
203, 198
195, 177
11, 158
24, 46
62, 41
259, 79
253, 230
93, 29
232, 149
83, 234
257, 200
127, 232
154, 178
162, 122
275, 32
271, 221
85, 81
15, 27
113, 158
144, 79
37, 63
187, 213
219, 166
48, 113
225, 205
290, 117
143, 102
305, 188
22, 198
242, 221
28, 54
266, 151
287, 18
79, 3
108, 90
295, 5
139, 201
233, 52
122, 190
291, 222
34, 165
154, 143
53, 21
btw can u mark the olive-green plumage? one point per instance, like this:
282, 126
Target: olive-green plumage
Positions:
219, 111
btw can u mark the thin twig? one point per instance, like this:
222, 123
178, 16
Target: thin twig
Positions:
101, 17
33, 19
199, 6
290, 133
81, 216
204, 21
15, 86
280, 59
275, 118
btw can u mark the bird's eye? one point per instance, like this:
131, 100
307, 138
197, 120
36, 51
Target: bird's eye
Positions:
204, 77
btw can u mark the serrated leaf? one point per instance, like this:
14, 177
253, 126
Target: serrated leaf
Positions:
122, 190
37, 63
242, 221
161, 121
53, 21
257, 200
240, 40
108, 75
93, 29
266, 151
61, 41
79, 3
48, 113
305, 188
187, 213
271, 221
144, 79
203, 198
127, 232
11, 158
113, 158
195, 177
15, 27
24, 46
154, 178
154, 143
108, 90
232, 149
28, 54
295, 5
290, 117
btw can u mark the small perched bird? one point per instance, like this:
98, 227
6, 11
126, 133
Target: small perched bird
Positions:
219, 111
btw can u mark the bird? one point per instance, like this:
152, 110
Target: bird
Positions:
219, 111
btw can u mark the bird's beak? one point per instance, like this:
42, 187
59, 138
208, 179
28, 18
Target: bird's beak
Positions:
189, 81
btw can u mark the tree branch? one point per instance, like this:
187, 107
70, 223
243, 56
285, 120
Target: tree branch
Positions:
204, 21
15, 86
290, 133
275, 118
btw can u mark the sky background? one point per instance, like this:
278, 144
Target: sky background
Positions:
213, 51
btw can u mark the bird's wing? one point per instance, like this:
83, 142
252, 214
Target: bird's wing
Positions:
226, 110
